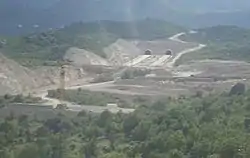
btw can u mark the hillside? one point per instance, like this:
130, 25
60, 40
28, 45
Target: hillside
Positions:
47, 47
17, 79
223, 42
9, 82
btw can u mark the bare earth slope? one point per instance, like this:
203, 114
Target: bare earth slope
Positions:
14, 78
117, 53
80, 57
50, 75
121, 51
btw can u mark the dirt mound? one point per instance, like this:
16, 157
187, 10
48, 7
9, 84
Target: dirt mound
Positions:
121, 52
80, 57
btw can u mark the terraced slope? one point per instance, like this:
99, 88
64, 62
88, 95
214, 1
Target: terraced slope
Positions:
149, 61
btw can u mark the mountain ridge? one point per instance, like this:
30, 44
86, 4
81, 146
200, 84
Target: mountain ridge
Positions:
53, 14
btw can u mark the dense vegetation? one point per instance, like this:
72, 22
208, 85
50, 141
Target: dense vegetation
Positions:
50, 46
223, 42
84, 97
91, 98
7, 99
216, 126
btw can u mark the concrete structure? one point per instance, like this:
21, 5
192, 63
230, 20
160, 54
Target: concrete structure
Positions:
148, 52
169, 52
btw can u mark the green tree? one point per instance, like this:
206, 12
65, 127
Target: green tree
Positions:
29, 151
89, 150
105, 119
175, 153
57, 146
238, 89
114, 155
130, 123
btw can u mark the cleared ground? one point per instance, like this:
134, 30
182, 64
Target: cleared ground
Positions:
149, 61
207, 76
219, 68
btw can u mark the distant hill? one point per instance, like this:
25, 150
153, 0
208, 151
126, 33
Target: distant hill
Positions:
55, 13
50, 46
223, 42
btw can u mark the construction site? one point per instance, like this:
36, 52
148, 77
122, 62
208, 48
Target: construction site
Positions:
138, 69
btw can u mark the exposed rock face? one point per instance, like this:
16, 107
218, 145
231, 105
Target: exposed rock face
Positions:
15, 78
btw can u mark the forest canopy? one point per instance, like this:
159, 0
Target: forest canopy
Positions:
215, 126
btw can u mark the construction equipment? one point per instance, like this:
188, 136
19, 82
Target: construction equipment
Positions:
61, 89
62, 79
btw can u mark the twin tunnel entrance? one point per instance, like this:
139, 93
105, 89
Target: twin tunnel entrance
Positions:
167, 52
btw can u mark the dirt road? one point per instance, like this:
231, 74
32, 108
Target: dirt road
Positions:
74, 107
176, 37
172, 62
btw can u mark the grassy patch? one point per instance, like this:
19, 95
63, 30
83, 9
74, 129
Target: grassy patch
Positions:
91, 98
223, 42
18, 99
85, 97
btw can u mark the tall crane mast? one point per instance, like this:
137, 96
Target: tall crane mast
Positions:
62, 82
61, 88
